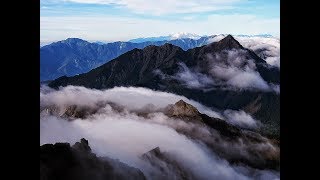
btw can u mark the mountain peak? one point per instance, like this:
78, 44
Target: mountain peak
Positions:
182, 109
229, 43
83, 146
226, 43
72, 41
183, 35
229, 36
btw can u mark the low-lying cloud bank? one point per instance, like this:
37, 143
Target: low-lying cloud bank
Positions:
192, 78
229, 69
241, 118
125, 135
268, 48
133, 98
234, 69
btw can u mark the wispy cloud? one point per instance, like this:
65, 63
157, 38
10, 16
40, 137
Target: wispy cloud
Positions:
165, 7
148, 18
240, 118
267, 48
193, 79
99, 27
230, 69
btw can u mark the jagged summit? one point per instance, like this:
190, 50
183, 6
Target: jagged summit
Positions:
65, 162
82, 146
182, 108
227, 43
166, 46
74, 56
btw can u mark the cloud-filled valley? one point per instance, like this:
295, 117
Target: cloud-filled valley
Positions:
157, 90
228, 69
167, 113
124, 123
268, 48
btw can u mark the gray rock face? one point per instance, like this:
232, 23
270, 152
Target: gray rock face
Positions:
183, 110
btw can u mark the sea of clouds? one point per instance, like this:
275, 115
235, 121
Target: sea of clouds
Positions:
229, 69
125, 135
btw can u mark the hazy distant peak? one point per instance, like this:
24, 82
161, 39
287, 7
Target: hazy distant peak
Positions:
74, 41
183, 35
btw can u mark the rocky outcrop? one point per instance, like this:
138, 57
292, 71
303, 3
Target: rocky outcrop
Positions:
183, 111
73, 111
182, 108
189, 113
223, 138
82, 146
60, 161
166, 167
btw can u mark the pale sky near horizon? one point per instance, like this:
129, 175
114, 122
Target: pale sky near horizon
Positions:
121, 20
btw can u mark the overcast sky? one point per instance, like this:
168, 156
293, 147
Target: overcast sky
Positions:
121, 20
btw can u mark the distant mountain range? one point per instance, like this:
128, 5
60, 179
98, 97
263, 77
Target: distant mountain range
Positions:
187, 36
222, 74
75, 56
167, 38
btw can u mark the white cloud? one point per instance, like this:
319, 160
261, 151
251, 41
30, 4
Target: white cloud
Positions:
228, 69
133, 98
166, 6
248, 79
193, 79
181, 35
216, 38
111, 28
276, 88
266, 47
240, 118
126, 136
236, 70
